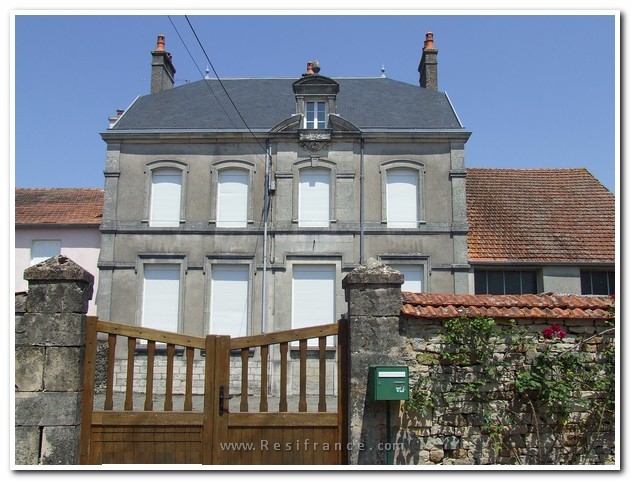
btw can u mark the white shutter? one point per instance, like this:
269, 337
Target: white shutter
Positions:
402, 198
161, 296
412, 277
313, 198
232, 198
166, 191
229, 299
313, 301
44, 249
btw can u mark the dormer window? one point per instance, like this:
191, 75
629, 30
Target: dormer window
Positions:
315, 115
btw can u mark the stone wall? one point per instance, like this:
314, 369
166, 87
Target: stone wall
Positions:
49, 344
452, 429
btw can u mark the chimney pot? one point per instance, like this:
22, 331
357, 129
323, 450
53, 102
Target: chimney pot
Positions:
309, 67
160, 45
429, 40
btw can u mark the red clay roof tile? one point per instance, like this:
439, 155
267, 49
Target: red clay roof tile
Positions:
525, 306
58, 206
539, 215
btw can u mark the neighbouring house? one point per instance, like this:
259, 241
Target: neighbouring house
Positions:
50, 222
217, 221
540, 230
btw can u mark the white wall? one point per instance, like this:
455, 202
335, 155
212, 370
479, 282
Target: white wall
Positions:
81, 244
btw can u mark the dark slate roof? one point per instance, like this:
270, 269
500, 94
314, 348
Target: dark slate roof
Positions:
539, 215
58, 206
369, 103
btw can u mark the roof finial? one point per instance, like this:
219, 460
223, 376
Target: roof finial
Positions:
383, 71
207, 73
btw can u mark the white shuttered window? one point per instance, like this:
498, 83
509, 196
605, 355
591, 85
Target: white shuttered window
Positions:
44, 249
412, 277
313, 301
166, 193
161, 296
232, 198
402, 198
229, 299
314, 198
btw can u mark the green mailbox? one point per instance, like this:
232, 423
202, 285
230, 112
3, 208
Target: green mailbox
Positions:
388, 383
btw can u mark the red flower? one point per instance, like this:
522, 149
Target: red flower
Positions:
552, 331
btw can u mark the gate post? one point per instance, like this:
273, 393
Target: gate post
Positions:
49, 345
373, 293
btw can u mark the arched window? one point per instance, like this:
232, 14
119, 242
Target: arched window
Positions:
402, 194
166, 198
232, 198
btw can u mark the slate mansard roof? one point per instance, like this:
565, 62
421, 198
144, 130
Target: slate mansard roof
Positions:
58, 206
539, 216
368, 103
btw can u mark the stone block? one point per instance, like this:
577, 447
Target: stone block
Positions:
50, 330
27, 445
64, 369
60, 445
47, 409
29, 368
53, 297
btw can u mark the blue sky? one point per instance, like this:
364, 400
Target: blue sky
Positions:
535, 90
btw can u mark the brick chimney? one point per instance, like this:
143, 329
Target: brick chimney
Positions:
428, 68
162, 70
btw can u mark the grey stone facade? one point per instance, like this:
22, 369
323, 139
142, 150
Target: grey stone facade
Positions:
49, 344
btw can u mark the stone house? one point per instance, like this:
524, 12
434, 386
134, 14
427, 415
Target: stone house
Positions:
52, 222
245, 222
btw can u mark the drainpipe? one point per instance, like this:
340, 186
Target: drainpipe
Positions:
265, 218
361, 202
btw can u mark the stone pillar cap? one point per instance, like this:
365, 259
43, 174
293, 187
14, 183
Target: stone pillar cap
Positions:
58, 268
373, 272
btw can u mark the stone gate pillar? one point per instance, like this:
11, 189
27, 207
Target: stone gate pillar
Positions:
49, 344
373, 293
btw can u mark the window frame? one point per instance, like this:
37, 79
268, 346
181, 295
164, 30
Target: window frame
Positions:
486, 272
232, 164
314, 163
611, 286
154, 166
415, 166
316, 111
228, 259
145, 260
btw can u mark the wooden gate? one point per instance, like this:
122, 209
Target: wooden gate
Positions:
150, 412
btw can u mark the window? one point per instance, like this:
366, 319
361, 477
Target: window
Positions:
314, 197
313, 300
402, 194
315, 115
166, 194
598, 283
229, 294
413, 276
44, 249
161, 296
505, 282
232, 198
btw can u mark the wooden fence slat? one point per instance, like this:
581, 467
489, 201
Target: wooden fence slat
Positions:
139, 332
109, 382
283, 336
245, 356
129, 387
263, 403
87, 398
188, 395
322, 374
282, 405
302, 402
168, 396
151, 348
